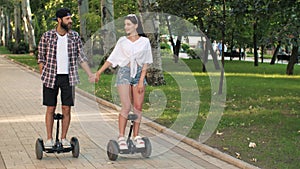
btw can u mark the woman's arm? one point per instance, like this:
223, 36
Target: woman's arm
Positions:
102, 69
142, 78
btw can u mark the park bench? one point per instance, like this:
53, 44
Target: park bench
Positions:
286, 57
283, 57
233, 54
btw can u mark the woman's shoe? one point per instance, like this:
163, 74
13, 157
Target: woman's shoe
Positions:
138, 142
122, 143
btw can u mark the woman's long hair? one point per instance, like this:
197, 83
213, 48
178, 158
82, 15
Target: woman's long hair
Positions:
136, 20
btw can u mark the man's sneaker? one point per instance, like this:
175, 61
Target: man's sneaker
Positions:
138, 142
49, 143
122, 143
65, 143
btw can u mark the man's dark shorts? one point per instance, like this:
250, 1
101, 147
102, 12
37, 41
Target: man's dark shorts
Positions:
67, 92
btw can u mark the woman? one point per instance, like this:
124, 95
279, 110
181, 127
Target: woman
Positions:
132, 54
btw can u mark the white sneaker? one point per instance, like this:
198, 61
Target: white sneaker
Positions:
49, 143
65, 143
122, 143
138, 142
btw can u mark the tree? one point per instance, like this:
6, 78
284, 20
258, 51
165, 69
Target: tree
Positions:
17, 24
204, 14
6, 9
150, 23
248, 23
28, 25
83, 9
108, 27
293, 33
175, 46
2, 26
285, 29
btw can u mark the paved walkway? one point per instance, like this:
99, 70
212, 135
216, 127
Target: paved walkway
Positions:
22, 122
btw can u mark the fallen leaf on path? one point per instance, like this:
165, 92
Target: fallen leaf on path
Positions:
253, 160
238, 155
252, 145
219, 133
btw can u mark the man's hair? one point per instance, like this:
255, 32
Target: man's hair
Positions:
62, 12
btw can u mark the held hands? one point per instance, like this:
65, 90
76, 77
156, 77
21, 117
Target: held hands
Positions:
92, 78
97, 75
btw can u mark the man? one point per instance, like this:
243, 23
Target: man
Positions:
59, 51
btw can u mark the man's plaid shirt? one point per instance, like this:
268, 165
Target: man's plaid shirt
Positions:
47, 55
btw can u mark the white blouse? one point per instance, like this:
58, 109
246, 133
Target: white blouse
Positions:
136, 53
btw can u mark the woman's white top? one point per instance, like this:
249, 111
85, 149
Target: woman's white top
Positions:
133, 53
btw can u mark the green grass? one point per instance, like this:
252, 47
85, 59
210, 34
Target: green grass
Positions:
262, 106
266, 56
26, 59
4, 50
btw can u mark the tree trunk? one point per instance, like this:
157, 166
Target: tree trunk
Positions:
28, 26
108, 35
255, 43
8, 33
107, 24
2, 27
209, 47
171, 39
204, 58
17, 19
83, 9
223, 41
262, 53
275, 53
177, 48
151, 24
293, 61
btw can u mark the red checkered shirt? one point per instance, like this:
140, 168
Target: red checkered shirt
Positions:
47, 55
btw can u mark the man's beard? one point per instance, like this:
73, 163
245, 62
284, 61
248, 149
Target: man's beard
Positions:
66, 26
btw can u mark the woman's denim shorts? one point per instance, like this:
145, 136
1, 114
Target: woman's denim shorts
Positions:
123, 76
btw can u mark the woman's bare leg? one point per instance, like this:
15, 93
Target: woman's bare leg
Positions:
124, 93
138, 99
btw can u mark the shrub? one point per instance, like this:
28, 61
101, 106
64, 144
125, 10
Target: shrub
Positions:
165, 46
192, 53
185, 47
22, 48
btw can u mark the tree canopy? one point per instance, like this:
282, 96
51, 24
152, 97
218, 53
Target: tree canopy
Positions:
247, 24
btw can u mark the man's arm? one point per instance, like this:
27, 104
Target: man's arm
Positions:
41, 65
85, 66
42, 46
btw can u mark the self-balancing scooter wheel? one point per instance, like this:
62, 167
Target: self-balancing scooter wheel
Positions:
148, 149
75, 147
39, 147
112, 150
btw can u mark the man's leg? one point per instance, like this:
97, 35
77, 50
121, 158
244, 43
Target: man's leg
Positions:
49, 120
66, 111
67, 99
